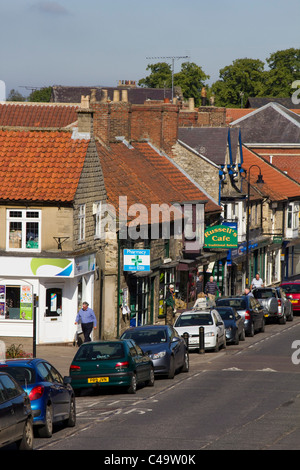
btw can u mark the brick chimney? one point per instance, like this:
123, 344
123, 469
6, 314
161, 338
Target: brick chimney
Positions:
85, 116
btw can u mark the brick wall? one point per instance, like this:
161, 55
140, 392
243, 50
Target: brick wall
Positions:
206, 116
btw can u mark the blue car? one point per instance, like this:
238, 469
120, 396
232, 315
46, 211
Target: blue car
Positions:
164, 346
52, 397
234, 324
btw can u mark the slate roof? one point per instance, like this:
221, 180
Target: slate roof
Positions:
145, 176
262, 101
272, 124
72, 94
41, 115
40, 165
211, 142
277, 186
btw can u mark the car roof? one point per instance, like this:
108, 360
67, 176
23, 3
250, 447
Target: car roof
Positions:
193, 312
147, 327
284, 283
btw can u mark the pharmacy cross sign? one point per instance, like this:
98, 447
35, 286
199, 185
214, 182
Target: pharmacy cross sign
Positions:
136, 260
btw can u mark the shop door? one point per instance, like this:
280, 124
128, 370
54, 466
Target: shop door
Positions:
53, 310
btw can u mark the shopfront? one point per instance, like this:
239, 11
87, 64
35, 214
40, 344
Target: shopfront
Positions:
51, 289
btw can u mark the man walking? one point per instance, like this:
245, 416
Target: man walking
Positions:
170, 304
211, 288
86, 316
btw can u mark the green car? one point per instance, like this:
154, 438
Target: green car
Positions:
119, 363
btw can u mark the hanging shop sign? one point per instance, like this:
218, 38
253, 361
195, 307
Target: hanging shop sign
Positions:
220, 236
136, 260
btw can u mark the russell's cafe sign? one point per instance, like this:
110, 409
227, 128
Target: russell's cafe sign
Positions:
221, 236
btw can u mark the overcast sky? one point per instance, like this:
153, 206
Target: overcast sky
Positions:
98, 42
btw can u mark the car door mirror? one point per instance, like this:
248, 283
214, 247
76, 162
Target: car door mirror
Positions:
219, 323
67, 380
175, 339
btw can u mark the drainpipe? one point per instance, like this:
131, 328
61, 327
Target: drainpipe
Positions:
118, 284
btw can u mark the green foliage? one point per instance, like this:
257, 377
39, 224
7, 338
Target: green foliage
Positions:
14, 95
160, 76
42, 95
191, 79
14, 352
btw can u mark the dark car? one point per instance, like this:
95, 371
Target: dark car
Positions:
292, 291
108, 364
234, 324
15, 414
249, 308
52, 397
274, 307
163, 344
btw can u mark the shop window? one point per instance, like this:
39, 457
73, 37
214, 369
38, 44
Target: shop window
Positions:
53, 302
16, 302
23, 230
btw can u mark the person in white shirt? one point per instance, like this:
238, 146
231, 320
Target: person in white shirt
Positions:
257, 282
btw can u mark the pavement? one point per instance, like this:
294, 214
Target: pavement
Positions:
59, 355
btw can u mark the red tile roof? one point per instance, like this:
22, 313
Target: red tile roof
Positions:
40, 166
286, 159
278, 186
146, 177
37, 115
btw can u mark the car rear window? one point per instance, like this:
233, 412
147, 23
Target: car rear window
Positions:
100, 352
291, 288
238, 304
194, 320
148, 336
264, 293
23, 375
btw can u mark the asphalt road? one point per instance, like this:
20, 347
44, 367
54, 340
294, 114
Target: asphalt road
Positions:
244, 398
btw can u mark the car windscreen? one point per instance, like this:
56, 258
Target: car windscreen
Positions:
291, 288
147, 336
100, 352
238, 304
23, 375
194, 320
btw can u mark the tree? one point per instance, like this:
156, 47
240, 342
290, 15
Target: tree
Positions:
284, 69
190, 78
42, 95
15, 95
160, 76
244, 78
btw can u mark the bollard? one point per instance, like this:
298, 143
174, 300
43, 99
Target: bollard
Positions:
186, 339
201, 340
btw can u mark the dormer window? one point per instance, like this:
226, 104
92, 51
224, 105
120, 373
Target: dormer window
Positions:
23, 230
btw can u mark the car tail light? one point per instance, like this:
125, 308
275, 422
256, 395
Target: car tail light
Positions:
122, 365
279, 302
73, 367
247, 315
36, 392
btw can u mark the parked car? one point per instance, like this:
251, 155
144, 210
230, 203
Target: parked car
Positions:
284, 304
165, 347
234, 324
292, 292
111, 364
15, 414
214, 328
249, 308
52, 397
270, 300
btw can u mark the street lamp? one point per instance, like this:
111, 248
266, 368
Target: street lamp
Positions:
259, 181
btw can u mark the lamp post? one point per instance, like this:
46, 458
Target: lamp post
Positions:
259, 181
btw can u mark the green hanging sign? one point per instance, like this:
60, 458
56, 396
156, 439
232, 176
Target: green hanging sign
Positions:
220, 236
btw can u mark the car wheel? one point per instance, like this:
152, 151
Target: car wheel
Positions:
282, 320
47, 429
237, 338
217, 346
171, 373
150, 382
133, 384
242, 335
186, 364
251, 331
26, 443
263, 326
71, 421
291, 316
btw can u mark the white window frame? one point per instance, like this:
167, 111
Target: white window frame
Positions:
97, 207
81, 219
292, 219
23, 220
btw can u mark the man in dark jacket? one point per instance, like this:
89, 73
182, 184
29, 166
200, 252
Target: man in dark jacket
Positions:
211, 288
170, 304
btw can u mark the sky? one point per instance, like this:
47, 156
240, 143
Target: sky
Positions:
99, 42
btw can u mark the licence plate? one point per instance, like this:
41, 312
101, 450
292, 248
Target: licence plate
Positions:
294, 301
94, 380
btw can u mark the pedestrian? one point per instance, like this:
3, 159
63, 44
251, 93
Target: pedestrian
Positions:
86, 316
257, 281
170, 304
211, 288
199, 285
